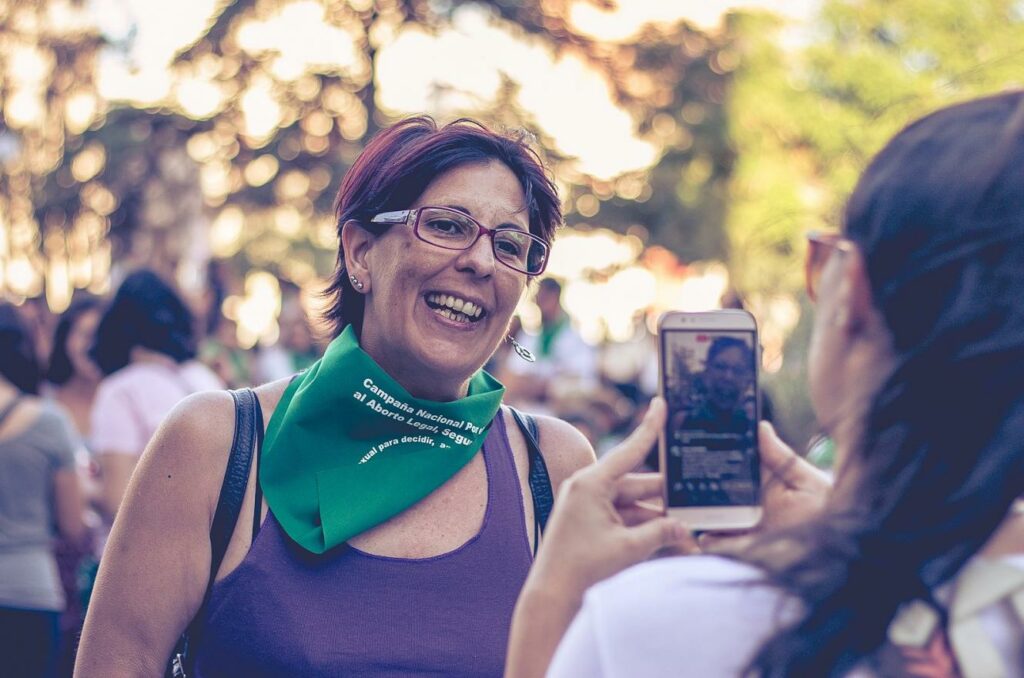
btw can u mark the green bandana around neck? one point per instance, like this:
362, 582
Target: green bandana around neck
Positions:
348, 447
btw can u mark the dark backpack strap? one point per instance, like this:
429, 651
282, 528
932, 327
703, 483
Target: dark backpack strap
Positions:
540, 483
257, 512
229, 506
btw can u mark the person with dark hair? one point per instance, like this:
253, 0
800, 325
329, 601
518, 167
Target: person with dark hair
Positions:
71, 380
145, 344
914, 565
72, 373
716, 419
566, 366
391, 512
726, 380
39, 497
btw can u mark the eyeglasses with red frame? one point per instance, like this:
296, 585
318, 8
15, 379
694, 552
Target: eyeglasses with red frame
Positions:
452, 229
820, 248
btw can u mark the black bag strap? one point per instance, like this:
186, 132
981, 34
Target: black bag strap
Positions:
539, 481
9, 407
229, 506
257, 513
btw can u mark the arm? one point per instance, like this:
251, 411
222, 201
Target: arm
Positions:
597, 529
156, 566
115, 471
70, 505
68, 499
118, 440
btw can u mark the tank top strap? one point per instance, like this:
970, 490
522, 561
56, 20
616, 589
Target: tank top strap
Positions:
505, 512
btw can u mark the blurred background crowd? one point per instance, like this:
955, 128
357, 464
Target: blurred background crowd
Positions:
191, 152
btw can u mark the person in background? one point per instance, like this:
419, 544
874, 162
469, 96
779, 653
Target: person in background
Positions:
39, 491
565, 364
145, 344
219, 349
914, 564
295, 349
72, 374
71, 381
221, 353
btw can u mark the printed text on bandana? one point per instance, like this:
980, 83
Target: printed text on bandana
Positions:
431, 424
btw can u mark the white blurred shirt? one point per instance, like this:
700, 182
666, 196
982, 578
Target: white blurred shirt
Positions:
705, 616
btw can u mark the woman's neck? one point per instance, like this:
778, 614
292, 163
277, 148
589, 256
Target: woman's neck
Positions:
420, 383
141, 355
427, 388
78, 385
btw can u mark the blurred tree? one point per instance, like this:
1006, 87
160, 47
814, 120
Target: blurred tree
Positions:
47, 99
806, 118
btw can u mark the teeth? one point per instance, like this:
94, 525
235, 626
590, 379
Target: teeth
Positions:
452, 315
460, 307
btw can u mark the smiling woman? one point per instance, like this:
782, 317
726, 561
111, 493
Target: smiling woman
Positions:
395, 503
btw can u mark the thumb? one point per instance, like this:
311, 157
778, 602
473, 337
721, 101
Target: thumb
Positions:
777, 458
656, 534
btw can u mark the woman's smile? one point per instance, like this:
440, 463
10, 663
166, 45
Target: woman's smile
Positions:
455, 307
435, 315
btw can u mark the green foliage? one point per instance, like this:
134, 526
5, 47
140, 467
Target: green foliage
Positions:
806, 121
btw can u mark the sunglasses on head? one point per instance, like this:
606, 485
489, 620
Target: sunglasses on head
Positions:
820, 247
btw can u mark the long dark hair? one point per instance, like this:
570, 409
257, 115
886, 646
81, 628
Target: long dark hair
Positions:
60, 370
18, 361
939, 218
397, 166
148, 313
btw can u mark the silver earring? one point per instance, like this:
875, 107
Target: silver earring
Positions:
522, 351
356, 282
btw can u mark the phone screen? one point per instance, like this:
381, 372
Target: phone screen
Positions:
710, 380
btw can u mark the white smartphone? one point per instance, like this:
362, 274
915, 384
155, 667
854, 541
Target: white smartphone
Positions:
708, 448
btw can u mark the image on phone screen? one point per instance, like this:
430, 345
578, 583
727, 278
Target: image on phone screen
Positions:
711, 392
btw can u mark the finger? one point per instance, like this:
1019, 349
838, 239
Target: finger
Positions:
684, 547
655, 534
628, 454
635, 486
636, 514
779, 463
777, 458
725, 542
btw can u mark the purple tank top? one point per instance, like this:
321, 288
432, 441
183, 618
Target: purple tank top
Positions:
287, 612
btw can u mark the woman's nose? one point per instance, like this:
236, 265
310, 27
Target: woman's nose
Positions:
479, 258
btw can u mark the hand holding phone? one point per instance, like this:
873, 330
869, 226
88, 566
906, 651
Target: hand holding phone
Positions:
708, 448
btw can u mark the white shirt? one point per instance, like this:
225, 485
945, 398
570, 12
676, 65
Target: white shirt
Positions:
131, 403
702, 616
698, 616
570, 357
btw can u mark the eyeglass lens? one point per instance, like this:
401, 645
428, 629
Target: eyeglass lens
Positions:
451, 230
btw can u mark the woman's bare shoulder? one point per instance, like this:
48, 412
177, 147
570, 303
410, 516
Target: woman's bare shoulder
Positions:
269, 395
565, 449
195, 437
199, 430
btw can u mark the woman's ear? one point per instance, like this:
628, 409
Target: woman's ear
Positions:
356, 242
